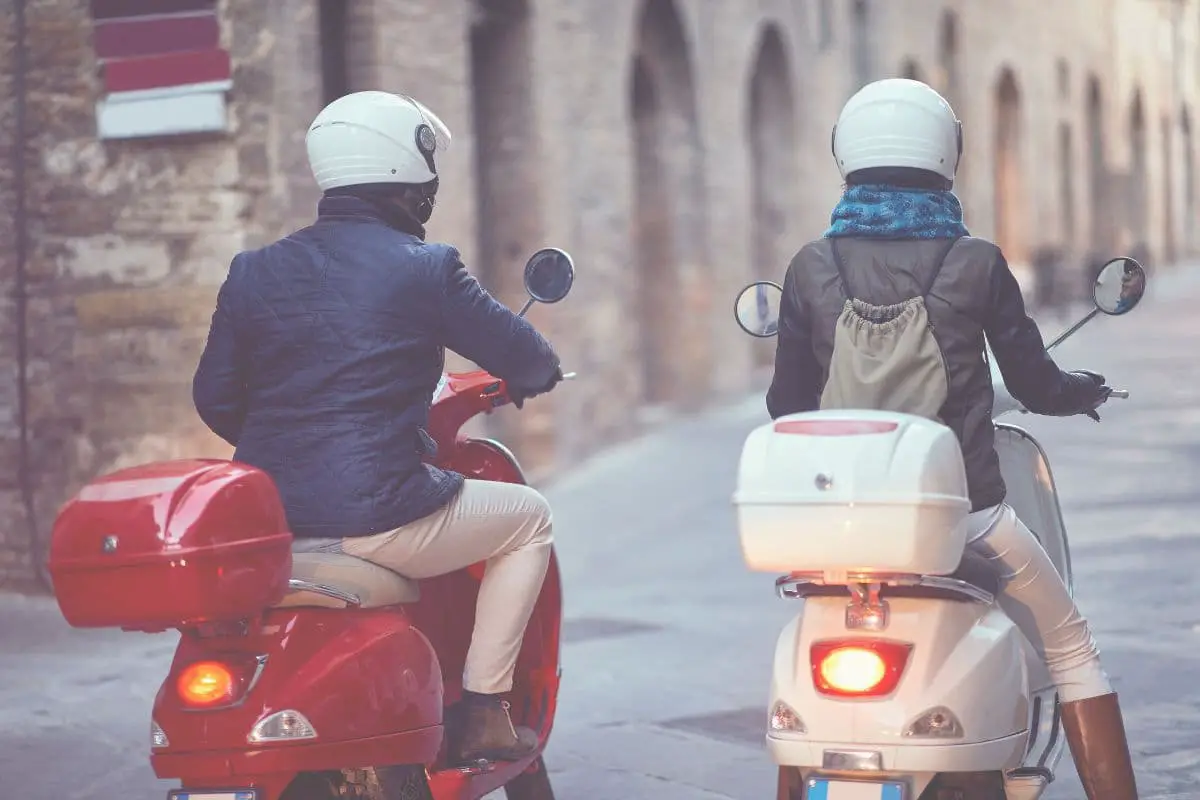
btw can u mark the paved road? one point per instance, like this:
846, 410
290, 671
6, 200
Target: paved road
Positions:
668, 639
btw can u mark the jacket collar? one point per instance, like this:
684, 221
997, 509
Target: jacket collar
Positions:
361, 209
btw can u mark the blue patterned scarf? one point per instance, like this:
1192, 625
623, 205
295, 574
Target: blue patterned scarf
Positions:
888, 212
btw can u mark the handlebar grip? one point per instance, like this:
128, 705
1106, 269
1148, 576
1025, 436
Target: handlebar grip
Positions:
569, 376
1122, 394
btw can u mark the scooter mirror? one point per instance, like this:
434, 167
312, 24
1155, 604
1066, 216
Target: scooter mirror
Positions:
757, 309
549, 275
1119, 286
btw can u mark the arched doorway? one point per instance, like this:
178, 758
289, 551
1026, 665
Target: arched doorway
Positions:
948, 78
1101, 238
332, 26
1168, 190
1009, 199
863, 47
668, 207
948, 84
507, 187
1189, 181
506, 159
911, 70
825, 21
1062, 74
774, 172
1066, 186
1138, 195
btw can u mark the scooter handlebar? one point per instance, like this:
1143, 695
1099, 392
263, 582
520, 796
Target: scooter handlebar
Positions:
569, 376
1120, 394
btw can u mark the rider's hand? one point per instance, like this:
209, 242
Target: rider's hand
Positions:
1088, 392
519, 397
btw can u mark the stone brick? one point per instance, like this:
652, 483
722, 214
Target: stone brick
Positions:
129, 240
169, 308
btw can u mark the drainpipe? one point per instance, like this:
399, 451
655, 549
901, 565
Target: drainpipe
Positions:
21, 246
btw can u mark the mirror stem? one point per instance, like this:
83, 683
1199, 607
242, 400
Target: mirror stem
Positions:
1062, 337
526, 307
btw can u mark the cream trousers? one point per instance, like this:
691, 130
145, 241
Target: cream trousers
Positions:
508, 526
1036, 599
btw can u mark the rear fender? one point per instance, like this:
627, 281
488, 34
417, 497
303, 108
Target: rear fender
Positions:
485, 460
967, 657
446, 611
353, 674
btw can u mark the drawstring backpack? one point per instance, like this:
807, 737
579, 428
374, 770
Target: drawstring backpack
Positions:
886, 358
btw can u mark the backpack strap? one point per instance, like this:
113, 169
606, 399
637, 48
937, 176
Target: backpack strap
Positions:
938, 269
841, 268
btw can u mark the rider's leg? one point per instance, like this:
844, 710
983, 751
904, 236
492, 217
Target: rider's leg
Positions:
1036, 599
508, 526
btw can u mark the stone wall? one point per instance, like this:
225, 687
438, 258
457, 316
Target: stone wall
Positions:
677, 149
128, 243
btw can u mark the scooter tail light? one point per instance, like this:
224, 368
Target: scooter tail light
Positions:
784, 719
158, 737
219, 682
858, 668
282, 726
936, 723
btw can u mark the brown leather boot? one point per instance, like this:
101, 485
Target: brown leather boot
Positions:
1096, 734
484, 730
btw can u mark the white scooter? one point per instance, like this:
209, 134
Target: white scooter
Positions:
901, 678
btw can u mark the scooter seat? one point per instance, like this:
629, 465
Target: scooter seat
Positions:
979, 572
373, 585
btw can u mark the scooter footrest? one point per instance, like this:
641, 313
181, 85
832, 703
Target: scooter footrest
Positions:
478, 767
1031, 772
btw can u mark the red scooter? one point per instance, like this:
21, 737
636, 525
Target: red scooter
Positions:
311, 676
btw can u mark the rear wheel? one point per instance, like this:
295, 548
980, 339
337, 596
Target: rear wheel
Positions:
532, 784
383, 783
966, 786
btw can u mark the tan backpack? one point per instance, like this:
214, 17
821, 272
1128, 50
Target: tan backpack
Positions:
886, 358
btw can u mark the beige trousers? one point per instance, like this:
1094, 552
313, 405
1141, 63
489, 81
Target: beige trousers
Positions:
508, 526
1036, 599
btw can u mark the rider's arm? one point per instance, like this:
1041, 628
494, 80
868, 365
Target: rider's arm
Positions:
796, 385
477, 326
219, 386
1029, 372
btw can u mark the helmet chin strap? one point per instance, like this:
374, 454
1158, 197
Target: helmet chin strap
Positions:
423, 209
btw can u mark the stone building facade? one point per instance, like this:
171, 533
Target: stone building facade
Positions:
678, 149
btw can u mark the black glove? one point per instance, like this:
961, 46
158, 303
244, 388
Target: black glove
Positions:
1083, 392
519, 397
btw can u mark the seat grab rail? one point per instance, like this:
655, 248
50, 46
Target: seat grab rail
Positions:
799, 585
297, 585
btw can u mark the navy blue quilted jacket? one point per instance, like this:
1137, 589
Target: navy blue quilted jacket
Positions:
323, 354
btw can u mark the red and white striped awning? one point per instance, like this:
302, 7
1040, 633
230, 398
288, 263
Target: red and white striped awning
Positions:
164, 70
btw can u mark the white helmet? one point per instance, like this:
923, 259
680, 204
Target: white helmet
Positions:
898, 122
374, 137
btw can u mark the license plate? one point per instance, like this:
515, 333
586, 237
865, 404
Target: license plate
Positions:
822, 789
209, 794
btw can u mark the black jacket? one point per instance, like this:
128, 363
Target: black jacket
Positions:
974, 294
323, 355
